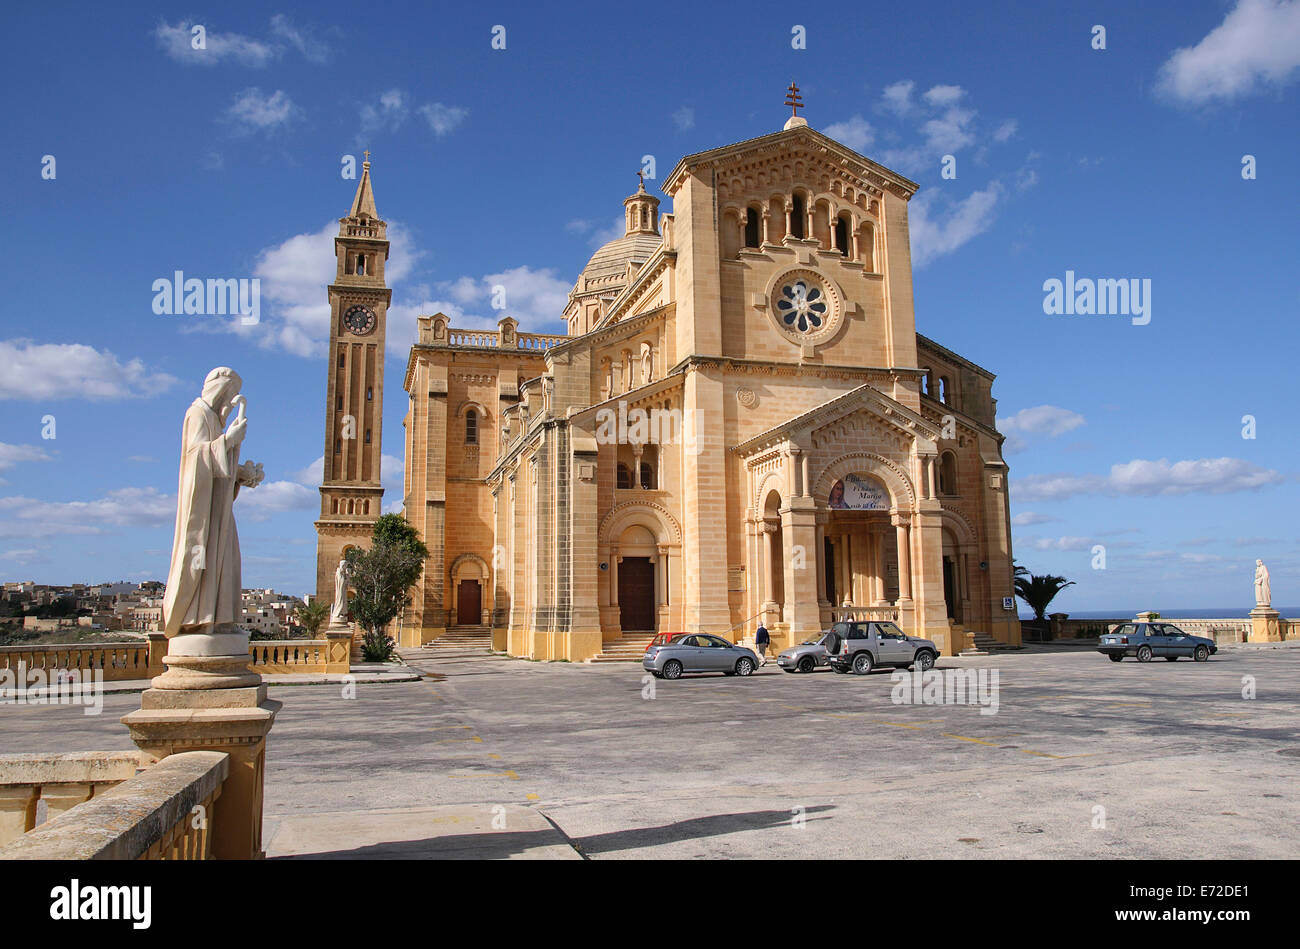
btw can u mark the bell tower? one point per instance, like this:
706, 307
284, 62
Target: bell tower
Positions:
351, 493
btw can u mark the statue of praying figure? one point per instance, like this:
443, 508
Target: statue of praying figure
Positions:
339, 611
1263, 590
203, 584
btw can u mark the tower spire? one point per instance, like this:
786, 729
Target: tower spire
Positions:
364, 202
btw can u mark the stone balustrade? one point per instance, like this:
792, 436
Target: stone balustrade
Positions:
61, 782
162, 813
143, 659
1220, 630
491, 339
116, 661
880, 614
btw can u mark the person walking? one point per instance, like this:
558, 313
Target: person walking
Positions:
761, 641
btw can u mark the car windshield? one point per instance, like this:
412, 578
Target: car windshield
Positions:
678, 638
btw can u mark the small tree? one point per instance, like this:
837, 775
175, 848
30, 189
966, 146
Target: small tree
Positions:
1038, 592
311, 615
382, 577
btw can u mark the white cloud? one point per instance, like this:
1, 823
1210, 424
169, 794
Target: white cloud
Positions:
271, 497
1142, 478
1030, 518
125, 507
312, 49
442, 118
255, 111
11, 455
1056, 543
178, 43
897, 97
856, 133
943, 96
1258, 43
1049, 421
74, 371
387, 114
684, 118
937, 233
1005, 131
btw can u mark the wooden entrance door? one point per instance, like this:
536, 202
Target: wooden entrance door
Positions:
469, 603
636, 594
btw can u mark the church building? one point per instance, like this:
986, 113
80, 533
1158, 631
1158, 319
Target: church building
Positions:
740, 425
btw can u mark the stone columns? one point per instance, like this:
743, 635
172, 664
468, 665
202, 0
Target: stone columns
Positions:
822, 603
799, 531
931, 610
902, 537
209, 700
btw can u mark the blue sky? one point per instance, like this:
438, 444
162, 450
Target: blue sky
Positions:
510, 166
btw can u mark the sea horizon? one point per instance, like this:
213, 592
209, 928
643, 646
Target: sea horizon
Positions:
1236, 612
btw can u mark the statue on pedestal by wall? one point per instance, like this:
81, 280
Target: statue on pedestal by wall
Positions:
339, 611
1263, 590
201, 608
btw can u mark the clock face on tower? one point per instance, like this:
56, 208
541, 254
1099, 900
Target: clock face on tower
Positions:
360, 320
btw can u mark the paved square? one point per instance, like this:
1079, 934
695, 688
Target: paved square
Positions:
780, 765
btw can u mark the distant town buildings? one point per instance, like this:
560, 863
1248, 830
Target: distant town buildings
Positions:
125, 606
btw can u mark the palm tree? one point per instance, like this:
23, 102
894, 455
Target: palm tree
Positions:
310, 615
1038, 592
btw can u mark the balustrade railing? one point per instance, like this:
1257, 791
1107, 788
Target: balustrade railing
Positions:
60, 782
117, 661
162, 813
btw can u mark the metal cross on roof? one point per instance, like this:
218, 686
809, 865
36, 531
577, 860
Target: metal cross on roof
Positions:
793, 99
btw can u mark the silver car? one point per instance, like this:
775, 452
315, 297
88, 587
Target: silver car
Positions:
805, 657
698, 652
862, 646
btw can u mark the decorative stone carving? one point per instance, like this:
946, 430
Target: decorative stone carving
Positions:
746, 397
339, 611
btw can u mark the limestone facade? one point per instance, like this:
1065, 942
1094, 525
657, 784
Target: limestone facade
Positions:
741, 424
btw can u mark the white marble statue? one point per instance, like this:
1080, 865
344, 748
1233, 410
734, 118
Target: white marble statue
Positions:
1263, 590
201, 608
339, 611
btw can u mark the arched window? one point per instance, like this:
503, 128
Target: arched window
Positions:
361, 265
751, 228
945, 391
623, 479
926, 381
647, 475
798, 217
471, 427
338, 446
948, 474
842, 235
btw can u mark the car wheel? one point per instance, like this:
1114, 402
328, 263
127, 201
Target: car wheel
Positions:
1201, 654
862, 663
672, 669
1144, 654
840, 670
923, 660
1115, 658
807, 664
744, 666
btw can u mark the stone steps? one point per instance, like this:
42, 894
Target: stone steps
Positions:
625, 649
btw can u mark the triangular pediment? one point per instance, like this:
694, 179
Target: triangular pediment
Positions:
820, 153
864, 406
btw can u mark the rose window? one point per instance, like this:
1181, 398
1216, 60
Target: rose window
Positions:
802, 305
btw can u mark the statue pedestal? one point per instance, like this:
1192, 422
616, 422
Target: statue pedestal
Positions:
213, 703
1264, 625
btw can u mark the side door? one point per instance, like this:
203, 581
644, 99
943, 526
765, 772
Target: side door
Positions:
892, 645
1159, 640
862, 636
1180, 644
693, 656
